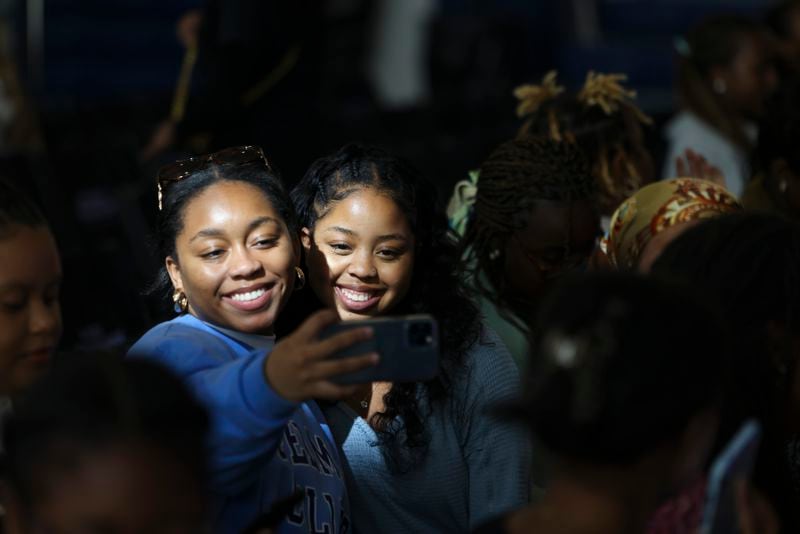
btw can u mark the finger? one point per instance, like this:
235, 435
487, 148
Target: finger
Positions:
340, 341
743, 507
312, 326
332, 391
329, 368
765, 519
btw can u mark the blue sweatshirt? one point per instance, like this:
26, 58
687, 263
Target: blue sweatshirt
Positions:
262, 447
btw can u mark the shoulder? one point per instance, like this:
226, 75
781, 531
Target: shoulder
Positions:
687, 129
184, 338
489, 370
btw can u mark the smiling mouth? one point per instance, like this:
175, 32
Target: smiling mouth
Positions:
358, 300
249, 296
252, 300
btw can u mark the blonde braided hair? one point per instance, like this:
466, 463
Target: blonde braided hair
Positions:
600, 118
606, 92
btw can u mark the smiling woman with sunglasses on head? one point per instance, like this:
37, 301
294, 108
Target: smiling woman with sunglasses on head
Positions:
228, 236
533, 218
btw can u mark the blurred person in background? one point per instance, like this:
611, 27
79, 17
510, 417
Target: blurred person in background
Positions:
601, 397
257, 80
749, 266
775, 186
106, 445
725, 76
658, 213
530, 217
603, 120
784, 21
30, 281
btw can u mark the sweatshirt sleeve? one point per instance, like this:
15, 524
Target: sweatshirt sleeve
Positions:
247, 415
497, 454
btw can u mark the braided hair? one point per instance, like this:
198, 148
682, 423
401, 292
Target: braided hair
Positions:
514, 177
603, 120
435, 288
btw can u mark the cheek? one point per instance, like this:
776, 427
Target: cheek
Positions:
520, 274
282, 265
398, 275
199, 278
13, 330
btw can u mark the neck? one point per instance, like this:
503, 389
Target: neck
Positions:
594, 501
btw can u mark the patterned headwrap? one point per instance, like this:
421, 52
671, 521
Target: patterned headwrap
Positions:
657, 207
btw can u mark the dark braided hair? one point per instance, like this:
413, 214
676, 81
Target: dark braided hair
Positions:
750, 264
603, 138
514, 177
435, 286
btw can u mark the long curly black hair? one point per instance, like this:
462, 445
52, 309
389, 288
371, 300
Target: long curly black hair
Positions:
436, 287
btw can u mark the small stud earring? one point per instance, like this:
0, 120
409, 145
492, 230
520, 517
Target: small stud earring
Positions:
719, 85
783, 185
493, 255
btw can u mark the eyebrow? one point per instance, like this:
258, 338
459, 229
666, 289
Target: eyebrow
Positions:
218, 232
382, 238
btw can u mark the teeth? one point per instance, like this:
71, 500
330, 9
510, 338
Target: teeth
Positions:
250, 295
355, 296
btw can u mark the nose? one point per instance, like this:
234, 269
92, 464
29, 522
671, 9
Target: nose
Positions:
45, 317
362, 266
243, 263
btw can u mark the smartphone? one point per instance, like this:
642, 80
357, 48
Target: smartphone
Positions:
408, 347
735, 462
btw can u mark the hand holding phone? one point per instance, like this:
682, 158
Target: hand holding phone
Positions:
408, 349
300, 366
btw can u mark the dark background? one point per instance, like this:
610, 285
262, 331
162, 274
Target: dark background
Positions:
99, 76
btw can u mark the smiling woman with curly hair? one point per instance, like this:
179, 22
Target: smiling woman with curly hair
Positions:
376, 244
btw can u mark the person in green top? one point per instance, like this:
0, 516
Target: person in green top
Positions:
529, 216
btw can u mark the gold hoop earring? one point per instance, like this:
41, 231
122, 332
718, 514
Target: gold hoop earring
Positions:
301, 279
179, 301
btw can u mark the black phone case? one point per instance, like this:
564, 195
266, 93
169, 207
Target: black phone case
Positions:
403, 357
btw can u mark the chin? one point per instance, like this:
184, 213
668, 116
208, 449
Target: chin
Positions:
350, 315
256, 324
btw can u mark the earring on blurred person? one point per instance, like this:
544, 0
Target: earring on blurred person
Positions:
493, 255
179, 301
719, 85
783, 185
301, 279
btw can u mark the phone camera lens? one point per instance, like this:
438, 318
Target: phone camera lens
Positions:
420, 334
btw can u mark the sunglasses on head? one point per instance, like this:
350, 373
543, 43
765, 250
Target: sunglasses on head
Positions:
182, 169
